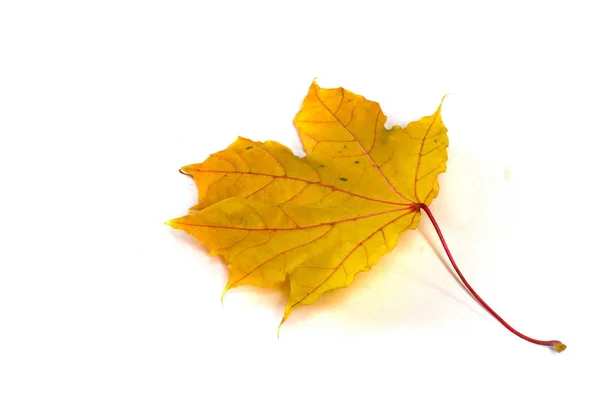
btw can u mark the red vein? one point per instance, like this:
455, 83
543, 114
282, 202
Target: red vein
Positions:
298, 284
375, 131
243, 160
429, 194
312, 138
348, 255
420, 155
429, 173
366, 252
302, 180
432, 150
343, 269
233, 245
247, 163
323, 198
280, 253
296, 195
389, 158
258, 245
385, 239
411, 208
364, 151
259, 189
273, 157
218, 157
341, 101
210, 185
436, 135
289, 216
351, 115
313, 168
237, 180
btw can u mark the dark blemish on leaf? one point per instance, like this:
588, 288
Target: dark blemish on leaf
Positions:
249, 147
321, 165
345, 146
356, 162
434, 140
343, 179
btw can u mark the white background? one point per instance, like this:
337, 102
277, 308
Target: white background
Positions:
102, 102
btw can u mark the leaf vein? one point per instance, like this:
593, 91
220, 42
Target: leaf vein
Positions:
346, 257
363, 149
266, 228
420, 155
281, 253
318, 183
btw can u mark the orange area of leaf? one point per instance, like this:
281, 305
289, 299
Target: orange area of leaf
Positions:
560, 347
316, 221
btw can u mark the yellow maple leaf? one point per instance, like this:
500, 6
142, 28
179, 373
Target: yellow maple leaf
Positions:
316, 221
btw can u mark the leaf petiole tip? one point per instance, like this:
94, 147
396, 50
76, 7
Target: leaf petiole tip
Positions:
560, 347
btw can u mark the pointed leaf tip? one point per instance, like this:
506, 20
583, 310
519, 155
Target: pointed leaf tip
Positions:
172, 222
279, 328
223, 296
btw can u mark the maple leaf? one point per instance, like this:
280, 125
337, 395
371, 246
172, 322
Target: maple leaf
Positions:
317, 221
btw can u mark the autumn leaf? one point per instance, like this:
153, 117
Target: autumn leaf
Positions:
316, 222
321, 219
